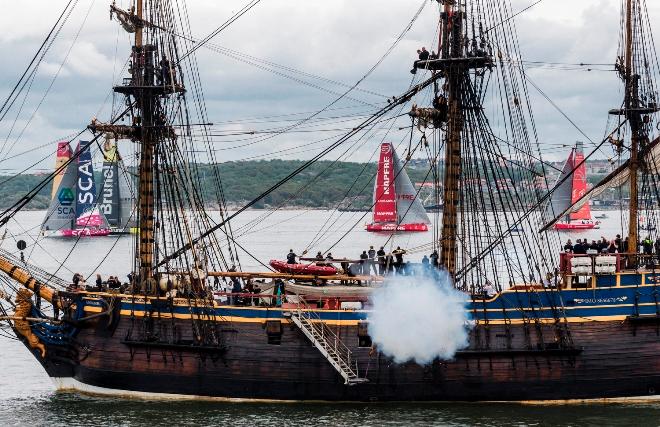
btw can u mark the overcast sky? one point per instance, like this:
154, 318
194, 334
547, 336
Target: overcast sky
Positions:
338, 40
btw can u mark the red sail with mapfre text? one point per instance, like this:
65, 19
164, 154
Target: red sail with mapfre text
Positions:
579, 184
385, 193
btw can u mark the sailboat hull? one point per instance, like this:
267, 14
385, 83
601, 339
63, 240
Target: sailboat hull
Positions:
517, 360
567, 226
85, 232
389, 227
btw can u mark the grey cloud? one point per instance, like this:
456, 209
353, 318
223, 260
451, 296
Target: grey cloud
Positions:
339, 40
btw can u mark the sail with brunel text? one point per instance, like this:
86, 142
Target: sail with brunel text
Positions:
117, 193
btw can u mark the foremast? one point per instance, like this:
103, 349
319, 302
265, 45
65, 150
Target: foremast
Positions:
144, 91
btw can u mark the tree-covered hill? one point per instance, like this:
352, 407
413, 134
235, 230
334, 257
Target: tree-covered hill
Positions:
242, 181
325, 184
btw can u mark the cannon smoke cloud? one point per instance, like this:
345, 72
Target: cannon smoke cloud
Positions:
419, 318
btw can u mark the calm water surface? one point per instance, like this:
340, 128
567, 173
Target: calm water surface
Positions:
27, 397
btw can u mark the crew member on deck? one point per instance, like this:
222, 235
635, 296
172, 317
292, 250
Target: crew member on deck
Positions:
291, 257
372, 260
568, 247
434, 259
78, 281
398, 254
389, 264
381, 261
364, 266
647, 246
612, 248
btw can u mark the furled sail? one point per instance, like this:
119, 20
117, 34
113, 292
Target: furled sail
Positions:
61, 213
650, 157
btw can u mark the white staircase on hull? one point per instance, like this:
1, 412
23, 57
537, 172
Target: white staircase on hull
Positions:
329, 344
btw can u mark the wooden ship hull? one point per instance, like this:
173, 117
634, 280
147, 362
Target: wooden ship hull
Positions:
110, 347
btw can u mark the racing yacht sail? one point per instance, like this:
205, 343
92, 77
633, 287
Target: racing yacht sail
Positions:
571, 190
396, 205
116, 195
61, 213
74, 209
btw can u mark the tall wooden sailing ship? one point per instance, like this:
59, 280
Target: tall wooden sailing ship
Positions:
586, 331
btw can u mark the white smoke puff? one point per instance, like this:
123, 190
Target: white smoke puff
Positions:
419, 318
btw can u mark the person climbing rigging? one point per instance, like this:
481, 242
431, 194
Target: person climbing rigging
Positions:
165, 72
423, 55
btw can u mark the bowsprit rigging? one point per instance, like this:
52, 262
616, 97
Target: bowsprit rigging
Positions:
537, 331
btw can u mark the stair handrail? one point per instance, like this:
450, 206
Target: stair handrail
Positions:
310, 317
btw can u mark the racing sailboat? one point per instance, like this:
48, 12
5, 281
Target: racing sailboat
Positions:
396, 203
571, 187
74, 210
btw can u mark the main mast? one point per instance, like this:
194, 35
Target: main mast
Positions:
145, 70
451, 49
634, 118
638, 104
459, 56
